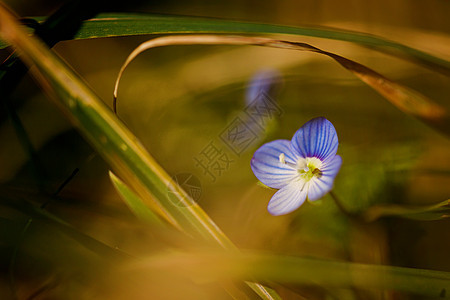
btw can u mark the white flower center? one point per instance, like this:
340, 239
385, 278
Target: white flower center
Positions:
308, 168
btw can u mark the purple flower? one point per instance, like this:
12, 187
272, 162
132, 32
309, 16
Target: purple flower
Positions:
302, 167
264, 83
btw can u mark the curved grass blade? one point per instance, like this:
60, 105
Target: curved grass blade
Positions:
425, 213
406, 99
300, 271
113, 25
114, 142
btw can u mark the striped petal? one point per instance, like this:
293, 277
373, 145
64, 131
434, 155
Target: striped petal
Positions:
317, 138
267, 167
288, 199
319, 186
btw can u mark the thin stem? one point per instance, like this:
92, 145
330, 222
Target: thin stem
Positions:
342, 208
115, 104
68, 179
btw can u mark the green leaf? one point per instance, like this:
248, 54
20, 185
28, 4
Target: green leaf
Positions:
113, 141
113, 25
136, 205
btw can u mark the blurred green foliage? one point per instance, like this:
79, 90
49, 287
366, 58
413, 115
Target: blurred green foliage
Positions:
178, 99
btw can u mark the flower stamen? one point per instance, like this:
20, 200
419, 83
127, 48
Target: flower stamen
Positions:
282, 158
317, 172
309, 168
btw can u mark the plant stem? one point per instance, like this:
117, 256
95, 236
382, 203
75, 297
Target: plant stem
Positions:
342, 208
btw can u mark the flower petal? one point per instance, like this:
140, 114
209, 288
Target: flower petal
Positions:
331, 167
288, 199
319, 186
263, 83
267, 167
317, 138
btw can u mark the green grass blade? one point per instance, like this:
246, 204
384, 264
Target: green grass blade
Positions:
134, 202
425, 213
404, 98
113, 25
106, 133
87, 241
301, 271
117, 145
